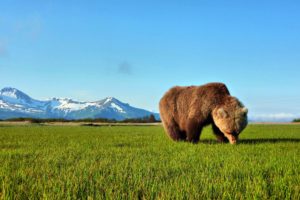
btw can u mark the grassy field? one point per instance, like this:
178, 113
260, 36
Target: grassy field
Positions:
140, 162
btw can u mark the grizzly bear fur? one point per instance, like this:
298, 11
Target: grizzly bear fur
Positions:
186, 110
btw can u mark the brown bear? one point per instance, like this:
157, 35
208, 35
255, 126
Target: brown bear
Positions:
184, 111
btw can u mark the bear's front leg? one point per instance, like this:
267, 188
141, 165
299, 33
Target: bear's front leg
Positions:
220, 136
193, 131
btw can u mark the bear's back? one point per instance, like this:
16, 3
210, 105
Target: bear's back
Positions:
213, 90
182, 102
207, 90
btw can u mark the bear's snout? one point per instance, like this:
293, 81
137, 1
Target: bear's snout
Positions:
233, 141
232, 138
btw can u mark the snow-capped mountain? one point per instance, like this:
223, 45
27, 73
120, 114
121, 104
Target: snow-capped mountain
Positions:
14, 103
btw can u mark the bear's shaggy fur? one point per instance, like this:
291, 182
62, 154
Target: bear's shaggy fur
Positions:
186, 110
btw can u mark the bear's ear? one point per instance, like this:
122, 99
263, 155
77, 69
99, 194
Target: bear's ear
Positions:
222, 113
245, 110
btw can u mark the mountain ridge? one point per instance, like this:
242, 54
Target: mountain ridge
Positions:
15, 103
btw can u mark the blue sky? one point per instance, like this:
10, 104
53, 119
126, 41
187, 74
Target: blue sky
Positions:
136, 50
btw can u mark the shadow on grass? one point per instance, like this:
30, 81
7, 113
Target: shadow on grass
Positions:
90, 124
268, 140
256, 141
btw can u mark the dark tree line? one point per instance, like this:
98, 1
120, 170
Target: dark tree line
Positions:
296, 120
146, 119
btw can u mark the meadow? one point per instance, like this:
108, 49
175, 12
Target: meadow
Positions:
140, 162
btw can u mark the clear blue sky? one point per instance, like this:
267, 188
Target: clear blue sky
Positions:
136, 50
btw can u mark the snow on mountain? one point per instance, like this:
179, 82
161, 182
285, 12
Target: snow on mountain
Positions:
15, 96
14, 103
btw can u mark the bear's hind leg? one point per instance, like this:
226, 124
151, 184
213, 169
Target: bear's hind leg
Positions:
174, 132
220, 136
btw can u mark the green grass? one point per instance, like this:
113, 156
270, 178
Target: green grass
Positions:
140, 162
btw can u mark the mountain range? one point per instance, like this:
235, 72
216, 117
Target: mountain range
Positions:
15, 103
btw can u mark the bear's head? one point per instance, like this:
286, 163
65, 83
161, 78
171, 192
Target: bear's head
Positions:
231, 118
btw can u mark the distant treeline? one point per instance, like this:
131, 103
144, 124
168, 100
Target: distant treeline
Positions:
296, 120
146, 119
